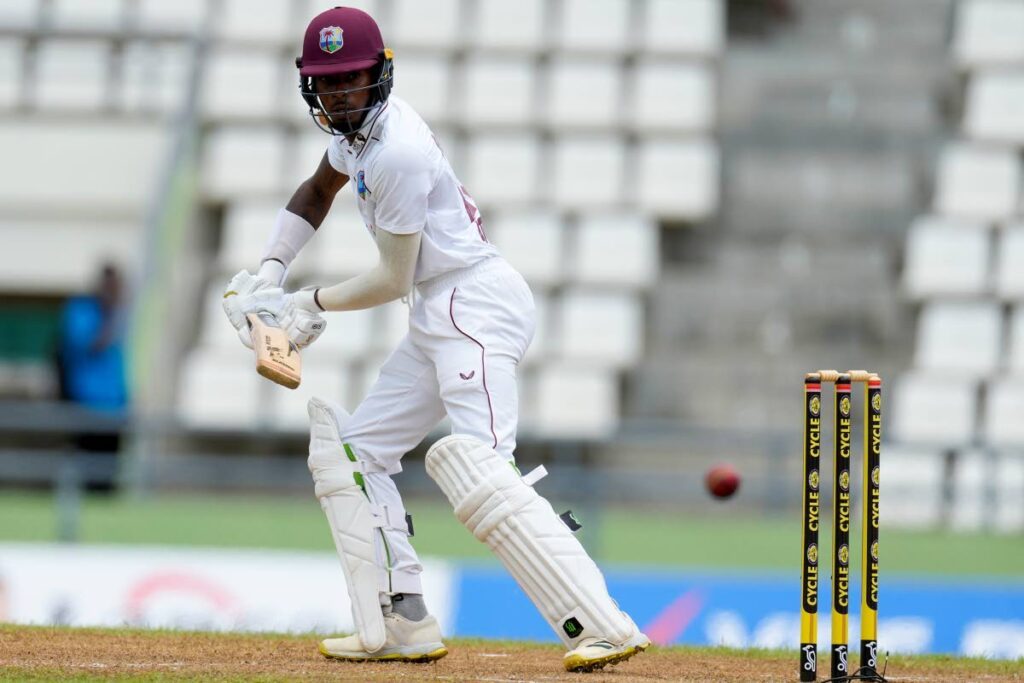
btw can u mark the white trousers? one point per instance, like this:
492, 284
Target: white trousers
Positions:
468, 330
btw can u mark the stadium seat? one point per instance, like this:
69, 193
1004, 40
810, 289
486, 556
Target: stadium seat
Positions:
434, 24
600, 26
1009, 273
424, 82
584, 93
1015, 355
934, 410
12, 52
995, 107
154, 77
305, 154
1009, 485
243, 161
913, 481
575, 402
677, 179
215, 330
587, 172
533, 242
95, 15
988, 32
503, 168
239, 84
342, 246
971, 477
247, 226
323, 377
515, 26
180, 16
539, 350
221, 390
600, 329
978, 182
619, 249
962, 338
498, 91
350, 335
946, 257
683, 27
671, 96
71, 75
251, 23
20, 15
1003, 426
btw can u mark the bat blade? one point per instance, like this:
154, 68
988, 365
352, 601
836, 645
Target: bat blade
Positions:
277, 358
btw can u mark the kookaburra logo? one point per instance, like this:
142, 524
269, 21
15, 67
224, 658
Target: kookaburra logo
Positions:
872, 654
811, 655
842, 659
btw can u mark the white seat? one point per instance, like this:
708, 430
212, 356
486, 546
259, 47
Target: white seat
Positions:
180, 16
71, 74
257, 22
674, 96
498, 91
154, 77
972, 472
677, 179
588, 172
946, 256
934, 410
324, 378
424, 81
12, 51
539, 350
995, 107
243, 161
584, 93
575, 402
20, 15
95, 15
342, 246
988, 32
247, 227
618, 249
600, 26
1015, 354
33, 264
684, 27
305, 155
604, 329
435, 24
220, 390
1009, 498
349, 336
241, 85
503, 168
1009, 273
977, 182
215, 330
533, 242
1003, 425
502, 25
912, 485
963, 338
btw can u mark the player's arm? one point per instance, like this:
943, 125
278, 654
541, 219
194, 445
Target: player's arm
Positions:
299, 220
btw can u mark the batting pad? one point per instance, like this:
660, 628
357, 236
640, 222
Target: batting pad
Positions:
339, 486
520, 527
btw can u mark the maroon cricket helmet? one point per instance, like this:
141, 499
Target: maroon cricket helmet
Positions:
337, 41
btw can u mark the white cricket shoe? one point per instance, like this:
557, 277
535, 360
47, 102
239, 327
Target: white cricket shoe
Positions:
596, 653
407, 641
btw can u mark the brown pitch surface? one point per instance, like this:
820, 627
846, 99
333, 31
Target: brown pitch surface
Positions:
95, 654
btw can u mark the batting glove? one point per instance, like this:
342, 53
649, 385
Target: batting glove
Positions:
239, 300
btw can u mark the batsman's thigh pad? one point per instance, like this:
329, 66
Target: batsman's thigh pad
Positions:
338, 480
492, 500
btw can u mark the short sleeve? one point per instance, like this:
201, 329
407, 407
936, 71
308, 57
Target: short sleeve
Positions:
336, 157
401, 181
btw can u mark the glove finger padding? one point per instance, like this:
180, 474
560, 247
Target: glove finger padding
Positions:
303, 327
236, 295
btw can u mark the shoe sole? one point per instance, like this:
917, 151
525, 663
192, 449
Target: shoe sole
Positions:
421, 658
581, 665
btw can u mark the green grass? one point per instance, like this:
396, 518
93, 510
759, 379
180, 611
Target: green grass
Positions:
621, 536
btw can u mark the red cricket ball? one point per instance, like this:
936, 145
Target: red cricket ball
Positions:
722, 481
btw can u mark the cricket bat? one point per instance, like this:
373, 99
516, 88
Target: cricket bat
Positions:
277, 358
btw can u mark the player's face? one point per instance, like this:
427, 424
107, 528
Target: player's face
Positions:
342, 94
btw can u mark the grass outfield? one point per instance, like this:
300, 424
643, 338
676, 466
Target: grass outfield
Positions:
624, 536
47, 653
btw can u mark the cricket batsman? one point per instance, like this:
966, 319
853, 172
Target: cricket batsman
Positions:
471, 320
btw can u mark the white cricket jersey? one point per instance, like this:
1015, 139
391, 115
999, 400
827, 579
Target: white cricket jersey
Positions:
403, 183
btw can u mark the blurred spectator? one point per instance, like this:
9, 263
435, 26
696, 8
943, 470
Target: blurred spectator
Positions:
91, 364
